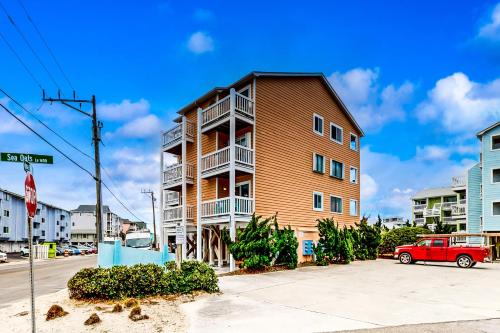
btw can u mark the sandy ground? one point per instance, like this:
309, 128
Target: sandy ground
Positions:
164, 316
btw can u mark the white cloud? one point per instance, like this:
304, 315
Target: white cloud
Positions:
369, 186
491, 30
432, 152
461, 105
124, 110
139, 128
200, 42
371, 105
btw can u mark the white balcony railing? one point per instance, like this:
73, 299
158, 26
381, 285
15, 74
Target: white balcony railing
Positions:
448, 219
221, 109
420, 220
463, 201
174, 135
172, 198
244, 155
215, 160
221, 207
458, 210
175, 213
419, 207
458, 181
173, 174
448, 205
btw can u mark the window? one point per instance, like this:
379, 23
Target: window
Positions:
318, 163
335, 204
6, 197
496, 208
495, 175
353, 207
6, 213
336, 169
438, 243
73, 224
318, 124
495, 142
57, 223
336, 133
5, 230
43, 233
318, 201
425, 242
43, 219
354, 142
353, 175
57, 234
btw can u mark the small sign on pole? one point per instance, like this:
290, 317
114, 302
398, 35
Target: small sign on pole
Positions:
30, 158
30, 200
180, 234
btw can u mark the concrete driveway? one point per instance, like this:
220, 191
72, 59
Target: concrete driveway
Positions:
361, 295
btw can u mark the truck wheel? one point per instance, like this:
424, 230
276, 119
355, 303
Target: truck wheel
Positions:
473, 264
405, 258
464, 261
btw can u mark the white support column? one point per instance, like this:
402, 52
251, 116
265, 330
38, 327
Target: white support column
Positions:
163, 241
254, 142
199, 228
232, 173
184, 186
219, 248
210, 250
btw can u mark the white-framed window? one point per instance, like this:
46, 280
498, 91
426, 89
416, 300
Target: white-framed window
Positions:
6, 213
353, 207
5, 230
495, 142
6, 197
336, 169
335, 204
336, 133
318, 163
353, 175
495, 175
353, 144
318, 124
318, 201
495, 208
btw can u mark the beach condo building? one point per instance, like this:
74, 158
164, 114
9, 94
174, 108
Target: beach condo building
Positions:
269, 143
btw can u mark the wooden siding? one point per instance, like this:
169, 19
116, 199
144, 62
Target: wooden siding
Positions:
285, 143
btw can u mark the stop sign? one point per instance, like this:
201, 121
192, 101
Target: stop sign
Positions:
30, 194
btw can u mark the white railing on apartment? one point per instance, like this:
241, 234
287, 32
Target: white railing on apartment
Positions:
215, 160
172, 198
220, 207
458, 210
175, 134
458, 181
463, 201
244, 155
244, 105
448, 219
175, 213
173, 173
420, 220
448, 205
216, 111
419, 207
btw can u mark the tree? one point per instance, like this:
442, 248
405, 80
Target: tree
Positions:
400, 236
441, 228
370, 238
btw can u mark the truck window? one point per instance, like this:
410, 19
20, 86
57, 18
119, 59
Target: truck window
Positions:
438, 243
425, 242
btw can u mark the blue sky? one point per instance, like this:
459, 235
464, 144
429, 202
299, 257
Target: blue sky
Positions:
420, 77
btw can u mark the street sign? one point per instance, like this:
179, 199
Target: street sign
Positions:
30, 194
180, 234
30, 158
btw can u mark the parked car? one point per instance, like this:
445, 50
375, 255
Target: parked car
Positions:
70, 250
25, 251
3, 257
439, 249
75, 249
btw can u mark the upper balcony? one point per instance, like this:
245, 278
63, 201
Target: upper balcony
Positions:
172, 176
458, 182
173, 214
172, 139
218, 161
218, 114
419, 208
172, 198
219, 209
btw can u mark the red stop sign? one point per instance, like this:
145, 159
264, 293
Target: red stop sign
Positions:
30, 194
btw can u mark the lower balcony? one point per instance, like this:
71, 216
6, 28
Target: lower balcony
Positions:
173, 214
172, 175
219, 209
419, 221
218, 162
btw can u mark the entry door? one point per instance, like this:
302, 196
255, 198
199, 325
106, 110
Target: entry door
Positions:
422, 250
438, 251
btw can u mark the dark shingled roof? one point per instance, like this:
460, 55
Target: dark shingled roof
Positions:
90, 209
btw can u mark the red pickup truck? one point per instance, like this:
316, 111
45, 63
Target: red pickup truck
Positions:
438, 249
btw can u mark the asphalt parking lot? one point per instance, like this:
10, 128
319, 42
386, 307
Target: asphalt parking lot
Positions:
362, 295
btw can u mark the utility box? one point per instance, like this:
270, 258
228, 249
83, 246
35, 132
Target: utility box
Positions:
307, 248
52, 249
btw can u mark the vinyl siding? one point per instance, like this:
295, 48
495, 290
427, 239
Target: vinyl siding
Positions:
491, 192
474, 204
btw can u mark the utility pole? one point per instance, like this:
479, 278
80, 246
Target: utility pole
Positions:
152, 194
96, 139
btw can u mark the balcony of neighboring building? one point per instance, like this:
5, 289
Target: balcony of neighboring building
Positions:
419, 207
172, 139
172, 176
419, 221
458, 183
217, 115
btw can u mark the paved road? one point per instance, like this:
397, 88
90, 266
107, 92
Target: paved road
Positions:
50, 276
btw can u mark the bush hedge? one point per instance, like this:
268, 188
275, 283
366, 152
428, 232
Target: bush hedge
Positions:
400, 236
142, 280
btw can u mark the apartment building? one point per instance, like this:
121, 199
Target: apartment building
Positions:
269, 143
50, 224
393, 222
84, 224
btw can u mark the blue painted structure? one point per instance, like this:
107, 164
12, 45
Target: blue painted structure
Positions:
307, 248
474, 202
491, 191
116, 254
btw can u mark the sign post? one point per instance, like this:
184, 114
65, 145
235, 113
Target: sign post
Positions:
180, 238
30, 200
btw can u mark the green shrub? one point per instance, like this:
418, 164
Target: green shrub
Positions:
140, 280
367, 239
335, 245
285, 246
400, 236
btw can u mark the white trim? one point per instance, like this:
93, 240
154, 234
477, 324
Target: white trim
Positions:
357, 174
356, 201
357, 141
246, 182
341, 204
249, 87
314, 163
494, 202
322, 124
492, 169
322, 201
343, 168
341, 133
491, 142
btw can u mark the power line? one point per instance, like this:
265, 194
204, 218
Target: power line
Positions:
46, 44
45, 125
21, 61
29, 45
45, 140
121, 203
